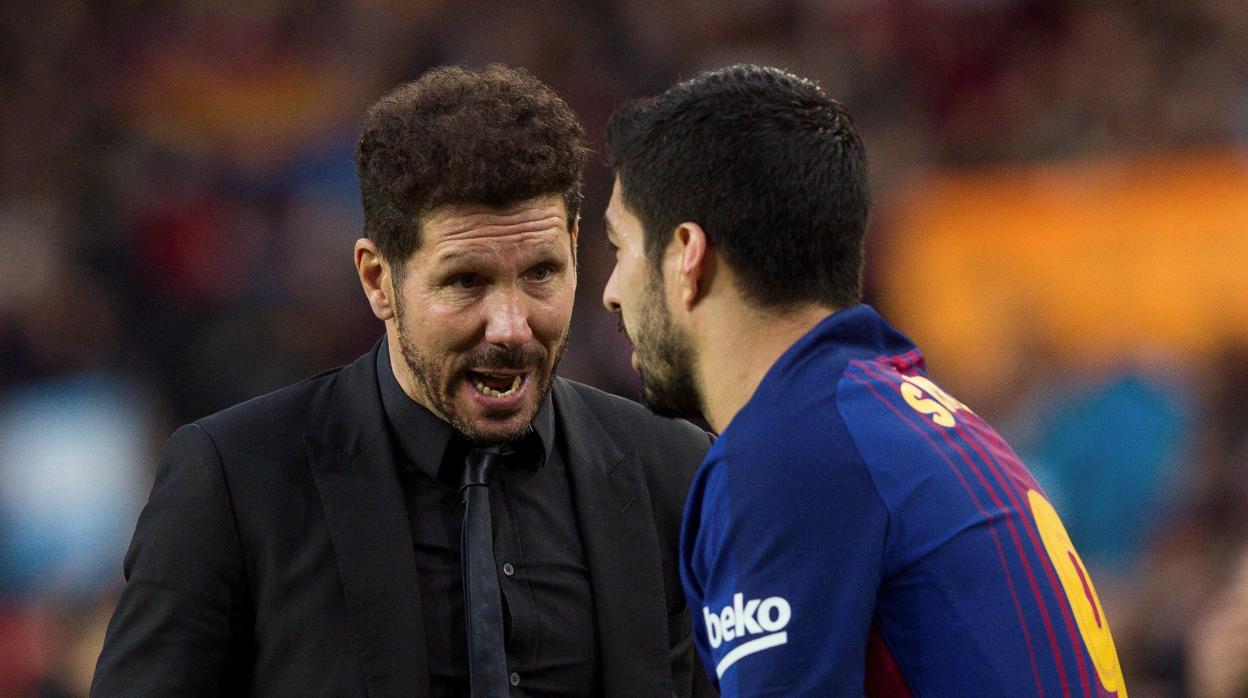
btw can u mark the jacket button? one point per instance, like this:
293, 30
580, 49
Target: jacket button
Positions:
509, 569
515, 679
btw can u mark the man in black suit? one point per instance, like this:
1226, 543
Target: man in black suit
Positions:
307, 542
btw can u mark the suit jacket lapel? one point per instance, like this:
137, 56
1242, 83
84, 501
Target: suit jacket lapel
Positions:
357, 478
617, 528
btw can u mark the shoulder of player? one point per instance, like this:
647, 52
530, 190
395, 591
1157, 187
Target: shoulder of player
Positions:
794, 435
890, 394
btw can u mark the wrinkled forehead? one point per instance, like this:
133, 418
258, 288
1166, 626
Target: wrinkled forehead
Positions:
534, 226
482, 220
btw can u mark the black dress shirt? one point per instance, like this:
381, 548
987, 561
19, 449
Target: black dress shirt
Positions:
547, 606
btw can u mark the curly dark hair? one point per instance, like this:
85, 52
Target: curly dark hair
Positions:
769, 165
458, 136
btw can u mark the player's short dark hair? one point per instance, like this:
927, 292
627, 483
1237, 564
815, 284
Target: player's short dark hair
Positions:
767, 164
457, 136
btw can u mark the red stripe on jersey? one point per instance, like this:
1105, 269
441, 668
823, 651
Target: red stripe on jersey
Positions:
1087, 588
1002, 458
883, 678
1003, 454
882, 373
1005, 568
1000, 452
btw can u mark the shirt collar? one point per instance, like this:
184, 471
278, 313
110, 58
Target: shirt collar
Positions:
426, 438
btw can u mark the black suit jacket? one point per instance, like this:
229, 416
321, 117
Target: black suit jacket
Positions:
275, 558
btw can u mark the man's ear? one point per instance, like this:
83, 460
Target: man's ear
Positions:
375, 278
696, 262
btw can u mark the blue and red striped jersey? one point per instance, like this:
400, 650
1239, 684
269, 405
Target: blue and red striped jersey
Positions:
857, 530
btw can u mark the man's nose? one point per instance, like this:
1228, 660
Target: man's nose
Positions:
610, 295
507, 319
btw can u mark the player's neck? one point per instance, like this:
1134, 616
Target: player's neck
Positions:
738, 351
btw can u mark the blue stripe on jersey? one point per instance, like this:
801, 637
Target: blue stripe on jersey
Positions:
972, 434
984, 516
998, 512
852, 493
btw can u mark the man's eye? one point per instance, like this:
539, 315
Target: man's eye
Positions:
542, 272
465, 281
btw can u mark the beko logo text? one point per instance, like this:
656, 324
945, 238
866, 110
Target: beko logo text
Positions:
743, 618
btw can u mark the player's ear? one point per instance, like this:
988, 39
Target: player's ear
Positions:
375, 278
696, 262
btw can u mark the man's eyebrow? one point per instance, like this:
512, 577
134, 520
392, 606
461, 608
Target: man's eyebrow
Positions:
457, 256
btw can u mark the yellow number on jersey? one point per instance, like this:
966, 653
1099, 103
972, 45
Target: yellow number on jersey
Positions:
1089, 615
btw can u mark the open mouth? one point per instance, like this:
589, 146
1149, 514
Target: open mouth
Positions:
495, 385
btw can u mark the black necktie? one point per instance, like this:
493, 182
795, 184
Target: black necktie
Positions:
487, 656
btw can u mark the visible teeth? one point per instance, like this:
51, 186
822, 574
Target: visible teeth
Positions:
515, 383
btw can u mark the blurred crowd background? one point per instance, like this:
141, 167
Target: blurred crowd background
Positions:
1061, 219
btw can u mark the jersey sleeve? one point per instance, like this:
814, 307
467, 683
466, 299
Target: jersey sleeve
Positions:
784, 549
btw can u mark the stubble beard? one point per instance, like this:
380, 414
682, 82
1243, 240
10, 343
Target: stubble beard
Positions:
426, 372
666, 359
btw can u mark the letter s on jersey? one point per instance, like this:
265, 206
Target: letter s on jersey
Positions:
941, 406
764, 617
